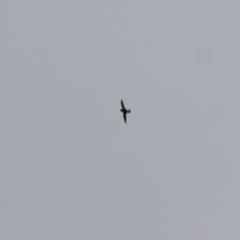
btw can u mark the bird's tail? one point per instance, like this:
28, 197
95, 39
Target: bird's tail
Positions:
129, 111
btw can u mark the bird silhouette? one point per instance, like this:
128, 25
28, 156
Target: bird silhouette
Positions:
124, 111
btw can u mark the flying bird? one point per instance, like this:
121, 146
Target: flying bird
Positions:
124, 111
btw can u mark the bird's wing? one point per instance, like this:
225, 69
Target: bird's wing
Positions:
122, 104
125, 117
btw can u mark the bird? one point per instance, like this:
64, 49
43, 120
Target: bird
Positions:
124, 111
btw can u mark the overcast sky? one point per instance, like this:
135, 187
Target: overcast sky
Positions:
70, 168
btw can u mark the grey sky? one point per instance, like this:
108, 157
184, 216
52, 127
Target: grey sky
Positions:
70, 167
